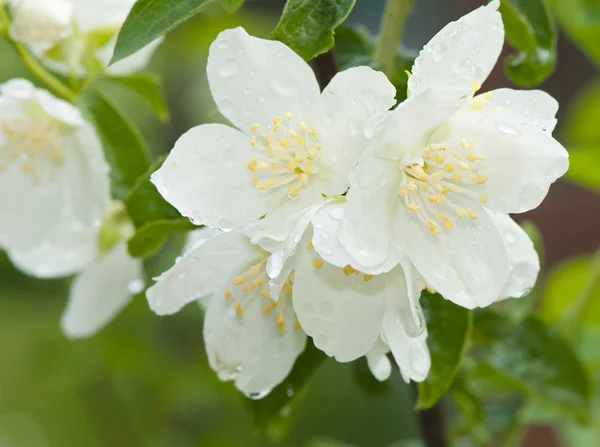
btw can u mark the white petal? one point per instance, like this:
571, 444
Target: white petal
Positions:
202, 271
350, 98
288, 219
90, 16
195, 238
100, 292
207, 179
342, 313
326, 225
524, 260
535, 107
283, 260
411, 354
366, 230
408, 127
462, 52
467, 264
521, 163
253, 80
41, 22
379, 364
250, 349
68, 249
131, 64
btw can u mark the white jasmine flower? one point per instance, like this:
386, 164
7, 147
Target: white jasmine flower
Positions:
54, 185
439, 165
293, 146
41, 22
254, 340
99, 293
92, 29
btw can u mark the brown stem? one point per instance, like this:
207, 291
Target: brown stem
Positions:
325, 67
433, 424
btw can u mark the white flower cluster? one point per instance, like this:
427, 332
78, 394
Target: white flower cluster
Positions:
329, 212
54, 179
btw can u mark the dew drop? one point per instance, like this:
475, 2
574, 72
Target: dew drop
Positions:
258, 395
318, 225
337, 213
224, 44
510, 237
182, 276
321, 341
135, 286
507, 129
309, 309
228, 68
325, 249
246, 91
382, 181
327, 309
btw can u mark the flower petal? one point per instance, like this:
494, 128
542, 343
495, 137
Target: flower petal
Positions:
100, 292
326, 224
536, 108
206, 178
408, 127
341, 311
67, 249
202, 271
467, 264
521, 161
366, 229
524, 260
253, 80
350, 98
462, 52
250, 348
411, 354
379, 364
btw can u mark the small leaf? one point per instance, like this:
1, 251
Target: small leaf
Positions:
148, 87
536, 360
353, 46
448, 328
272, 411
150, 19
144, 202
124, 148
564, 285
531, 31
231, 6
584, 166
307, 26
579, 19
150, 237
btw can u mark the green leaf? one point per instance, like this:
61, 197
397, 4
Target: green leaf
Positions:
353, 46
531, 31
144, 202
448, 328
564, 285
231, 6
272, 412
150, 237
584, 166
536, 360
148, 87
580, 126
150, 19
307, 26
580, 21
124, 149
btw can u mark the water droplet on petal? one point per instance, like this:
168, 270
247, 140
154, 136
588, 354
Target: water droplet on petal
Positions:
228, 68
337, 213
258, 395
327, 309
510, 237
135, 286
507, 129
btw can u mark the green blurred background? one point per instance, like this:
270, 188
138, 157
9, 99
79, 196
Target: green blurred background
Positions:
145, 380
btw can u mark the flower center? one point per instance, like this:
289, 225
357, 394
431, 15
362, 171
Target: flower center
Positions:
433, 179
286, 155
29, 142
252, 285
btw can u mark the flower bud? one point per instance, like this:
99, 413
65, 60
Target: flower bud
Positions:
41, 23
